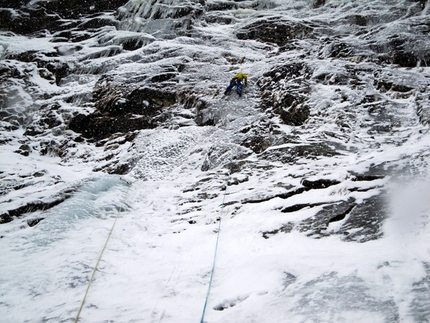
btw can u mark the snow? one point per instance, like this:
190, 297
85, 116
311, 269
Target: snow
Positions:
157, 264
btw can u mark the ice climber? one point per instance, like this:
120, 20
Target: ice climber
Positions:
238, 81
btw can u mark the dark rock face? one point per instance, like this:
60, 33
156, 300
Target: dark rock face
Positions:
320, 183
319, 3
365, 220
274, 30
329, 213
284, 91
257, 136
117, 112
401, 51
47, 121
29, 207
33, 222
73, 9
48, 14
295, 152
360, 221
294, 115
336, 110
24, 150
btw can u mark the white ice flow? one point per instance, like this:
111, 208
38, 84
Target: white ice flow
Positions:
156, 266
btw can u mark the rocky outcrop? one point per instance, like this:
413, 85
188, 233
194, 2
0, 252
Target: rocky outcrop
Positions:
29, 180
26, 17
285, 90
275, 30
28, 208
115, 111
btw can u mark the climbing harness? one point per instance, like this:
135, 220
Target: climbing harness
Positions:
217, 241
101, 254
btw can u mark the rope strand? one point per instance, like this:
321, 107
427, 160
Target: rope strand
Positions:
100, 257
217, 242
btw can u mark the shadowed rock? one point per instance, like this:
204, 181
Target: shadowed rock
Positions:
274, 30
114, 112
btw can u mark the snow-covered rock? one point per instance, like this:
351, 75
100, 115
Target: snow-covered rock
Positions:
114, 111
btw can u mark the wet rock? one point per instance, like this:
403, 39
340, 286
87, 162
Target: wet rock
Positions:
162, 77
365, 221
287, 228
49, 147
295, 115
378, 171
120, 168
48, 118
74, 9
403, 49
100, 126
15, 4
257, 136
117, 112
339, 50
362, 221
24, 150
97, 22
30, 17
26, 20
390, 85
59, 69
298, 207
221, 5
197, 107
133, 43
285, 73
40, 173
293, 153
373, 174
8, 216
286, 195
34, 222
274, 30
319, 183
284, 91
105, 52
319, 3
111, 100
358, 20
71, 36
329, 213
205, 116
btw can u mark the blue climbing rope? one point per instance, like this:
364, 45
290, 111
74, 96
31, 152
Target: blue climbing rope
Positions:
217, 242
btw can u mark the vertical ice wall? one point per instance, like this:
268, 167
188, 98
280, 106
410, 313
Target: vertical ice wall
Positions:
159, 17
